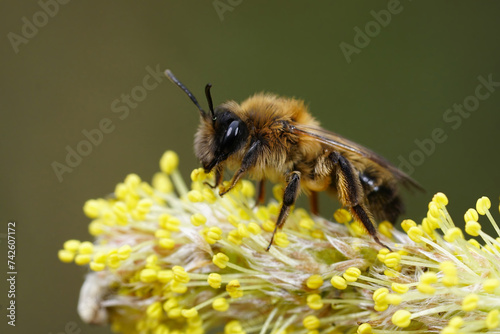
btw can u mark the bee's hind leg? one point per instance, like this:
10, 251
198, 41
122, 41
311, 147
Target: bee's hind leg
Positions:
351, 194
261, 196
289, 197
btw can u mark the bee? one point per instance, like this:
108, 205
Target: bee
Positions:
268, 137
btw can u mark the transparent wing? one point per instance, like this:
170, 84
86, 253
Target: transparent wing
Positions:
339, 143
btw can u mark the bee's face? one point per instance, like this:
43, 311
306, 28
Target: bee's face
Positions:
218, 139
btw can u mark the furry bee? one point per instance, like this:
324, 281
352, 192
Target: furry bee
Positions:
273, 138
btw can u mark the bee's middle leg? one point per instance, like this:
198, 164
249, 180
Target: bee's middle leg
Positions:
289, 197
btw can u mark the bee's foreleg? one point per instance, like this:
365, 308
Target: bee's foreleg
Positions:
313, 203
289, 197
219, 174
351, 195
248, 161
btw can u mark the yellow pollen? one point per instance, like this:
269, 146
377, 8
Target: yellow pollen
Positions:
407, 224
456, 322
92, 208
66, 256
415, 233
472, 228
338, 282
471, 214
311, 322
198, 219
365, 329
82, 259
189, 313
428, 278
314, 282
352, 274
243, 230
220, 260
401, 318
393, 299
247, 189
452, 234
170, 304
169, 162
254, 228
399, 288
492, 319
490, 285
306, 223
178, 287
392, 259
381, 307
213, 235
268, 225
161, 233
314, 301
71, 245
385, 228
426, 288
474, 243
434, 210
166, 243
440, 198
281, 239
148, 275
165, 276
482, 205
382, 254
220, 304
180, 275
379, 296
195, 196
469, 303
154, 310
342, 216
96, 266
214, 280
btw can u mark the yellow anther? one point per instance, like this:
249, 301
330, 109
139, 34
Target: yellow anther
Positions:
490, 285
263, 213
198, 219
401, 318
456, 322
440, 199
358, 229
268, 225
96, 266
180, 275
96, 228
233, 327
243, 230
338, 282
162, 183
71, 245
469, 303
407, 224
399, 288
166, 243
482, 205
472, 228
386, 228
220, 260
195, 196
100, 257
281, 239
314, 301
162, 233
170, 304
318, 234
165, 276
415, 233
172, 224
213, 235
189, 313
154, 310
144, 205
220, 304
65, 255
364, 329
278, 192
82, 259
393, 299
132, 181
120, 208
471, 214
92, 208
233, 220
311, 322
453, 234
314, 282
198, 175
352, 274
169, 162
392, 259
434, 210
392, 273
306, 223
121, 191
381, 307
161, 329
86, 247
178, 287
174, 313
474, 243
148, 275
492, 319
428, 278
382, 253
234, 237
426, 288
247, 189
379, 296
234, 289
342, 216
209, 196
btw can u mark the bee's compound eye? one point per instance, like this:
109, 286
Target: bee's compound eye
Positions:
232, 131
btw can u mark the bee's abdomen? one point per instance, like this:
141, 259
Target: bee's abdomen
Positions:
382, 196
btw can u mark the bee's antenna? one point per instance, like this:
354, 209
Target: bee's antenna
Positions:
209, 100
176, 81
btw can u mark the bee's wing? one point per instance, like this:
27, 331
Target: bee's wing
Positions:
337, 142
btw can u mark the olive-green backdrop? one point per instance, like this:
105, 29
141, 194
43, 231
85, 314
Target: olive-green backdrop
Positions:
383, 73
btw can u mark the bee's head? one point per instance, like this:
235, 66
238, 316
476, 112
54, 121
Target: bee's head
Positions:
220, 134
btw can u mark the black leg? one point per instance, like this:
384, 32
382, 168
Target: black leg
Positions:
219, 174
351, 195
313, 203
261, 196
289, 197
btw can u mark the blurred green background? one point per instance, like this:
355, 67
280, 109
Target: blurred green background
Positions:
65, 78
